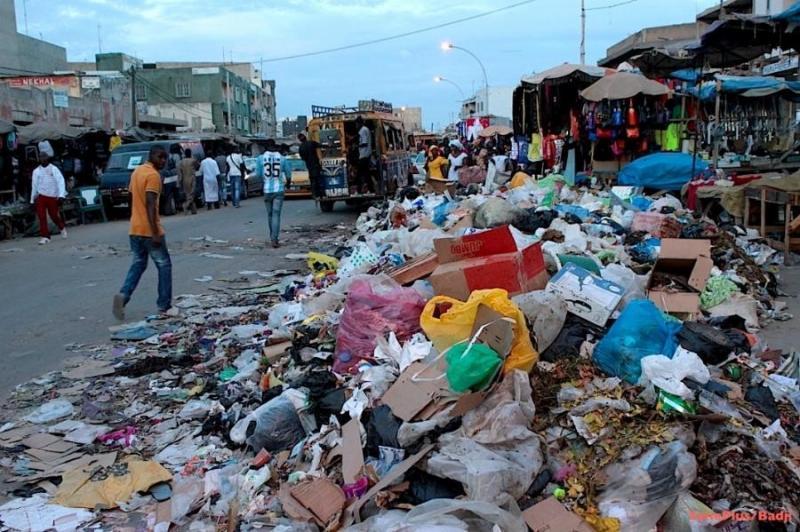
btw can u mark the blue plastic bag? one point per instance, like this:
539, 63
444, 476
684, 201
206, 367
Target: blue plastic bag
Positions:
641, 330
441, 211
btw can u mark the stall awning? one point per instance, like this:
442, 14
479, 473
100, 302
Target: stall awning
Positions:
568, 72
749, 87
622, 85
39, 131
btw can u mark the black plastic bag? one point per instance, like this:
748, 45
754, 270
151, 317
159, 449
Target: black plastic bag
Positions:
569, 340
711, 344
329, 405
382, 427
761, 397
318, 383
532, 220
274, 426
426, 487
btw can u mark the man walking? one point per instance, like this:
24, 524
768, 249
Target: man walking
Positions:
47, 192
309, 153
364, 181
236, 169
146, 233
186, 170
277, 174
222, 178
210, 171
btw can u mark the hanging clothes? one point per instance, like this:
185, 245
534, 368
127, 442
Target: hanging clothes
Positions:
535, 148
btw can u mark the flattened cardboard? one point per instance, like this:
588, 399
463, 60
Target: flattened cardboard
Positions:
352, 453
499, 334
321, 497
586, 295
407, 397
689, 258
551, 516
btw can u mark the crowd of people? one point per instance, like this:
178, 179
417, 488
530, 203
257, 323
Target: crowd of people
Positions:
463, 162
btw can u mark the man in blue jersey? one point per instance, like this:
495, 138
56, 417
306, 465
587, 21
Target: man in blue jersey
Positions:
276, 171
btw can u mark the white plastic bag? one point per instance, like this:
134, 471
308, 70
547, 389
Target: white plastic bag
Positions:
667, 374
546, 313
633, 284
283, 315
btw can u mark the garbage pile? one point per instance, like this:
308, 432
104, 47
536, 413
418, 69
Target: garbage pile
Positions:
540, 356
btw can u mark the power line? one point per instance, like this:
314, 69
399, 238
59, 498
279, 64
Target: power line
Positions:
184, 106
598, 8
396, 36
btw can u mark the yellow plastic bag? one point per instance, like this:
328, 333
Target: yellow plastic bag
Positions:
456, 324
519, 179
321, 264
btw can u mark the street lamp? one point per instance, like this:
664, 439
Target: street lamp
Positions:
440, 79
446, 46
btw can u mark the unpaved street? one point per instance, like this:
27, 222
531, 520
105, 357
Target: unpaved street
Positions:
61, 293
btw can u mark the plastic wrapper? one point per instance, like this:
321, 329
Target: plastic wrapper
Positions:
668, 374
283, 315
370, 312
640, 491
447, 321
717, 291
493, 453
471, 366
678, 517
546, 313
633, 284
274, 426
641, 330
51, 411
321, 265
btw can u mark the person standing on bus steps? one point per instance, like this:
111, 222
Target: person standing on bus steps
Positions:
364, 182
276, 171
186, 170
48, 191
211, 173
236, 173
309, 153
146, 234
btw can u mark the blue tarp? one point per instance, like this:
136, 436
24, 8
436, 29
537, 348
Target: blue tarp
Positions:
663, 171
791, 15
686, 74
742, 84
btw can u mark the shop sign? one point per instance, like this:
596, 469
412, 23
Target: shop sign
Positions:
90, 83
41, 81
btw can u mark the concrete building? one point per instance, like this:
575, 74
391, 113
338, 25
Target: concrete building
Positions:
21, 54
290, 127
411, 118
499, 103
645, 39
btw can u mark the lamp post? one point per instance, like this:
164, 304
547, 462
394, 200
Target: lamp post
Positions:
440, 79
450, 46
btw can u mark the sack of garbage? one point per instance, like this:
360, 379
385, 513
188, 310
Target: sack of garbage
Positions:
641, 330
640, 491
274, 426
546, 313
447, 321
495, 212
493, 453
371, 312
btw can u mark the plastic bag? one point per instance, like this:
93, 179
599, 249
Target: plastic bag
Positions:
546, 313
369, 313
717, 291
283, 315
638, 492
447, 321
633, 284
471, 366
494, 453
679, 515
321, 265
51, 411
711, 344
274, 426
641, 330
495, 212
668, 374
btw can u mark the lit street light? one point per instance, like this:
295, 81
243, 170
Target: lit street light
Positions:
440, 79
446, 46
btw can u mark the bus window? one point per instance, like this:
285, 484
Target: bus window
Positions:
331, 142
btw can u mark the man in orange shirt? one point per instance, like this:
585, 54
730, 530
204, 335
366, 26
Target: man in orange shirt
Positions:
146, 233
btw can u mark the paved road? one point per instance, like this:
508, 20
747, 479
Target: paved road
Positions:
61, 293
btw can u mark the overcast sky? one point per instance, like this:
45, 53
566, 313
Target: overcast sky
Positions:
511, 44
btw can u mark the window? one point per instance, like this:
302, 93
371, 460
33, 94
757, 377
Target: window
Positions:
197, 124
182, 90
141, 92
236, 94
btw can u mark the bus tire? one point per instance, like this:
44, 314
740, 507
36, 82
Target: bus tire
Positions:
326, 206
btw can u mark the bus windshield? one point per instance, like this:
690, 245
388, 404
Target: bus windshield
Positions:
331, 143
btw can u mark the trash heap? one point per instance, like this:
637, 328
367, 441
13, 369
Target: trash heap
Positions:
543, 355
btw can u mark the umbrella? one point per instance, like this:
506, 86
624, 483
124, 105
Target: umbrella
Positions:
491, 131
623, 85
6, 127
568, 70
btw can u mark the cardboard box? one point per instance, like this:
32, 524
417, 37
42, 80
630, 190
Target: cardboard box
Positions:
487, 260
436, 186
586, 295
687, 260
551, 516
657, 224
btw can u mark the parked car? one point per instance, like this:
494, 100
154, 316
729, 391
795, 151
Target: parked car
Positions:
301, 184
124, 160
253, 183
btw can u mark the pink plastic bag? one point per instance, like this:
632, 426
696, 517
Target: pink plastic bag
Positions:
372, 312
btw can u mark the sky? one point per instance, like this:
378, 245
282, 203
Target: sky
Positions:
511, 44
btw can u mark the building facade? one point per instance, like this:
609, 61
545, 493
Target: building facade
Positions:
499, 104
291, 127
411, 118
21, 54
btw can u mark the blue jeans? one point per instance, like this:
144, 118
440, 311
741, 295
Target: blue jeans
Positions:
222, 181
236, 189
141, 247
274, 203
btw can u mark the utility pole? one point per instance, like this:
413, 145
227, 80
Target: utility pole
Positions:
99, 39
25, 15
583, 32
228, 96
134, 121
